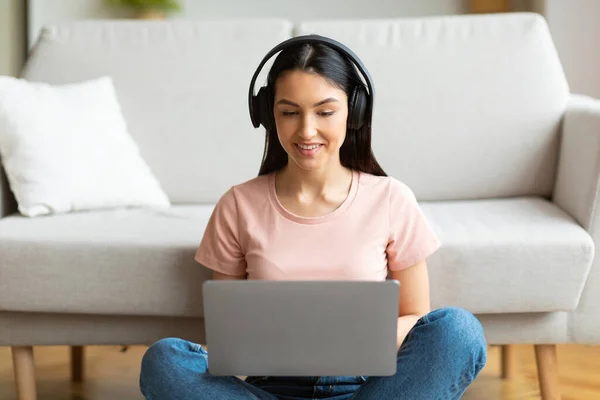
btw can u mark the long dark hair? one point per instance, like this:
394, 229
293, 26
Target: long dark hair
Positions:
356, 152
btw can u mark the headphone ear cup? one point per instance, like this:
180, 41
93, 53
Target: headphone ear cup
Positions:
263, 109
357, 108
255, 111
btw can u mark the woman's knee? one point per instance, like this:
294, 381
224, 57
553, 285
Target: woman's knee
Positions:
167, 367
165, 356
461, 333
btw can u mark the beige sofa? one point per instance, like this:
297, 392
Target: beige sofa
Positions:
472, 112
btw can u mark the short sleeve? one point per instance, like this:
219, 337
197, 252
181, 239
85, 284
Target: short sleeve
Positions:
411, 238
220, 248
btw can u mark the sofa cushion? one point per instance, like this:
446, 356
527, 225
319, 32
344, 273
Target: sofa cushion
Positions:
76, 154
137, 262
183, 89
507, 255
514, 255
466, 107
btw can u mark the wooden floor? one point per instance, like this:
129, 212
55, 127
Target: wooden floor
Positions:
112, 374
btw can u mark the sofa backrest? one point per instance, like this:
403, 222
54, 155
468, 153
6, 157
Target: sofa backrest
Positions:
465, 106
183, 88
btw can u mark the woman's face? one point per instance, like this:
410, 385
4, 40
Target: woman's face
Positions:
310, 116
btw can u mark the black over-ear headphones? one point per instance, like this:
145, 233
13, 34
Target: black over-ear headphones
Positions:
360, 103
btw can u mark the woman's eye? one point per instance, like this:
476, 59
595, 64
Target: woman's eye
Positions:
322, 114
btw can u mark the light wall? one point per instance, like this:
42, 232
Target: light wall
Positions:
12, 36
573, 23
43, 12
575, 28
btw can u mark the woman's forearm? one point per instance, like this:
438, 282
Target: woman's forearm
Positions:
405, 324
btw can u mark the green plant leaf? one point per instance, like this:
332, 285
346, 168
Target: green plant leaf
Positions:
165, 5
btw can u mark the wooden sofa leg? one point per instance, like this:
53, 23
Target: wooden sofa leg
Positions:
508, 359
24, 372
547, 367
77, 364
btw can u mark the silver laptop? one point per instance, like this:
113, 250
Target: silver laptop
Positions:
301, 328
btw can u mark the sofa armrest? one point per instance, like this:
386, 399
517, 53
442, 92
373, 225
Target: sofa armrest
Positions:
578, 177
577, 191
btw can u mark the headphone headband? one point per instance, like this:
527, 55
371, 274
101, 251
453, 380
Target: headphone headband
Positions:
317, 39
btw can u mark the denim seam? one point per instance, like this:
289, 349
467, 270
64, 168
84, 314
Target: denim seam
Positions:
314, 396
196, 348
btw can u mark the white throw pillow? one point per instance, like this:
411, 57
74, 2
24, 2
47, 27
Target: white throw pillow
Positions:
67, 148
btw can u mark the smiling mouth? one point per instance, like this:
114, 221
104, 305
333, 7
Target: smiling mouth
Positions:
308, 146
308, 150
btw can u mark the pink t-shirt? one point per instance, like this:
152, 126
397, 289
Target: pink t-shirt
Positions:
378, 226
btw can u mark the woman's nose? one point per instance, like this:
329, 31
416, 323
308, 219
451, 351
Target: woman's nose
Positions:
308, 129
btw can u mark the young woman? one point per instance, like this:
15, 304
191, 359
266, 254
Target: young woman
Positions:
323, 208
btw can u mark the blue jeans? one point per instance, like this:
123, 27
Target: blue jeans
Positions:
439, 358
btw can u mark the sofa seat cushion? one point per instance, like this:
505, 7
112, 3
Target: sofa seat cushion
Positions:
497, 256
129, 261
507, 255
